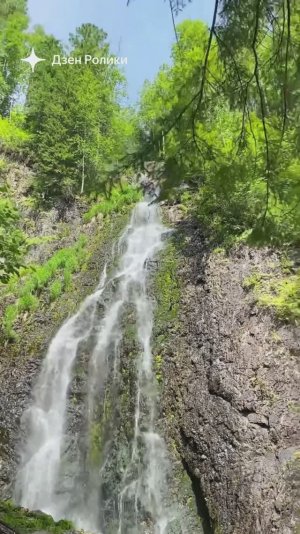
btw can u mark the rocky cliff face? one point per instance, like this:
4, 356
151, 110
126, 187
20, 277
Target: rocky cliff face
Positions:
228, 372
230, 395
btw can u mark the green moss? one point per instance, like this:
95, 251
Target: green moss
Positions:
3, 166
254, 280
286, 263
167, 287
276, 337
67, 278
284, 297
24, 521
265, 391
219, 250
167, 293
294, 407
97, 432
281, 293
158, 360
130, 331
96, 443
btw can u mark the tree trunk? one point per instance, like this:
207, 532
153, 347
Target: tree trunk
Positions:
83, 176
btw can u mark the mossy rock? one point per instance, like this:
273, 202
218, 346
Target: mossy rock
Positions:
24, 521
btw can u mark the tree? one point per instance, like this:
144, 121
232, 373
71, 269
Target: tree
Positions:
70, 112
228, 111
13, 25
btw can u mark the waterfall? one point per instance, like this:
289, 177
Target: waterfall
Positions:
51, 477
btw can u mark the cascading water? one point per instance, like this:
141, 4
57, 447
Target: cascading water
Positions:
54, 479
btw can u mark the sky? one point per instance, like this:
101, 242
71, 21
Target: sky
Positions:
142, 32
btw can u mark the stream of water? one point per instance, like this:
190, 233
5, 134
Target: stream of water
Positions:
140, 503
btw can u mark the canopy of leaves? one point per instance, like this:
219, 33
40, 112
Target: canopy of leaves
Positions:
74, 115
224, 117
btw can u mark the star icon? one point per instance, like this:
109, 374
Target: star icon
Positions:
33, 59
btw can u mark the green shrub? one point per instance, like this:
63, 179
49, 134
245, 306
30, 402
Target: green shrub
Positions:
28, 302
12, 137
12, 240
41, 276
67, 279
55, 289
284, 298
64, 262
9, 319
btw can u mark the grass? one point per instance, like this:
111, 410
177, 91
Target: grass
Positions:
12, 137
282, 294
55, 290
25, 521
28, 302
119, 200
3, 166
35, 241
10, 316
58, 270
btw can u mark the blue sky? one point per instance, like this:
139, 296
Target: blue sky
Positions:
143, 31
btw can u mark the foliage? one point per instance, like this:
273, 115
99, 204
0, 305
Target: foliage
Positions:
10, 316
56, 289
28, 302
78, 127
284, 297
120, 197
58, 269
12, 240
222, 126
72, 128
12, 137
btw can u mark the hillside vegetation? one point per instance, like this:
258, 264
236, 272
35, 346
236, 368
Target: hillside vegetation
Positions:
222, 117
